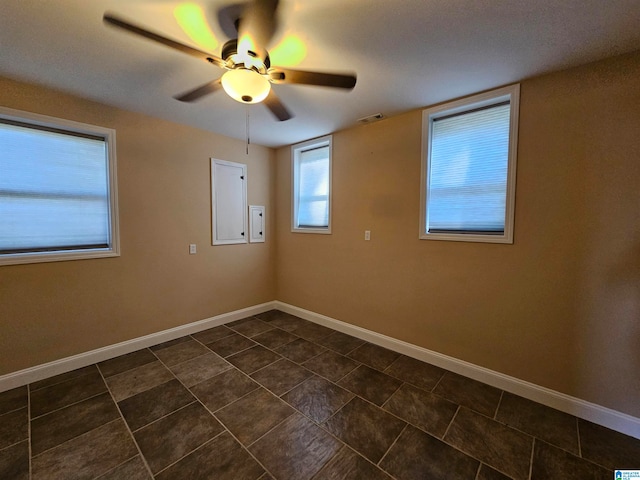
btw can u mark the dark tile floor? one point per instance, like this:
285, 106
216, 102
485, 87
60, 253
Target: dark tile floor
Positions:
278, 397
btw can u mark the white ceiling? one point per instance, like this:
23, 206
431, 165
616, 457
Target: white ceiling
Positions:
407, 54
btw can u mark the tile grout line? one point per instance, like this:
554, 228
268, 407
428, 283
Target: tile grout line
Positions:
495, 415
390, 447
62, 381
579, 440
433, 390
478, 471
70, 405
533, 448
237, 439
451, 423
29, 431
225, 429
124, 421
188, 453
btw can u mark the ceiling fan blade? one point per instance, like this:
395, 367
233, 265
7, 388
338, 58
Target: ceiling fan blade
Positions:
257, 25
334, 80
278, 109
130, 27
201, 91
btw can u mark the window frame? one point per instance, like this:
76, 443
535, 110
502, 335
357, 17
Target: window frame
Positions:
486, 99
296, 150
109, 136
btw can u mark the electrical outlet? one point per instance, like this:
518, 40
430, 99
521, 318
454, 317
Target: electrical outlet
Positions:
192, 249
367, 234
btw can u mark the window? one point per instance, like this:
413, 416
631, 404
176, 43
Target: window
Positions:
312, 186
468, 168
57, 189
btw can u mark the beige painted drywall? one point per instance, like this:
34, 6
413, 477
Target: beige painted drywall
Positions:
53, 310
559, 308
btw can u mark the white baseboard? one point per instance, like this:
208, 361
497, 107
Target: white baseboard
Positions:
46, 370
607, 417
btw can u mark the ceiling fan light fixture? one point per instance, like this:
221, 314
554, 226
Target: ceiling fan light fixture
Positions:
246, 86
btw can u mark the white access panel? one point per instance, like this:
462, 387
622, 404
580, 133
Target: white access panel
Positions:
256, 223
228, 202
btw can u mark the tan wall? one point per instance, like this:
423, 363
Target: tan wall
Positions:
559, 308
52, 310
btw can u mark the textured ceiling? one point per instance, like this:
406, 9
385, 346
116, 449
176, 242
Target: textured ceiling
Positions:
407, 54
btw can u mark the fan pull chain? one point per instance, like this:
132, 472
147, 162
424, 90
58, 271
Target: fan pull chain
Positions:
247, 128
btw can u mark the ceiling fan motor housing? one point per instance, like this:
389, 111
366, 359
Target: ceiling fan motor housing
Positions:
232, 59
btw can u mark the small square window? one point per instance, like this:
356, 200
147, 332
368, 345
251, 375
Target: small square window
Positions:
312, 186
469, 164
57, 189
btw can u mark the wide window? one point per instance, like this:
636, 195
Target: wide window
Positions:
312, 186
469, 163
57, 189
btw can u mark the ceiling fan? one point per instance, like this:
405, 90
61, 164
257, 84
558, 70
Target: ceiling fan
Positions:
249, 73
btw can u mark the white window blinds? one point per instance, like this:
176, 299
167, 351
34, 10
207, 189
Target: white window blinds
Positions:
467, 190
54, 190
313, 188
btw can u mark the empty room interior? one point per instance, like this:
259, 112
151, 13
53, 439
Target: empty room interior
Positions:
410, 249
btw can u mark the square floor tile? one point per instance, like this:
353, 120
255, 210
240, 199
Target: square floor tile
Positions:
181, 352
297, 448
551, 462
254, 415
230, 345
213, 334
495, 444
271, 315
87, 456
348, 465
300, 350
469, 393
51, 430
14, 427
318, 398
14, 461
13, 399
132, 469
170, 343
283, 320
132, 382
341, 342
126, 362
608, 448
221, 390
423, 409
172, 437
415, 372
331, 365
375, 356
366, 428
275, 338
552, 426
370, 384
63, 377
253, 359
312, 331
281, 376
251, 327
199, 368
488, 473
60, 395
417, 455
150, 405
221, 459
